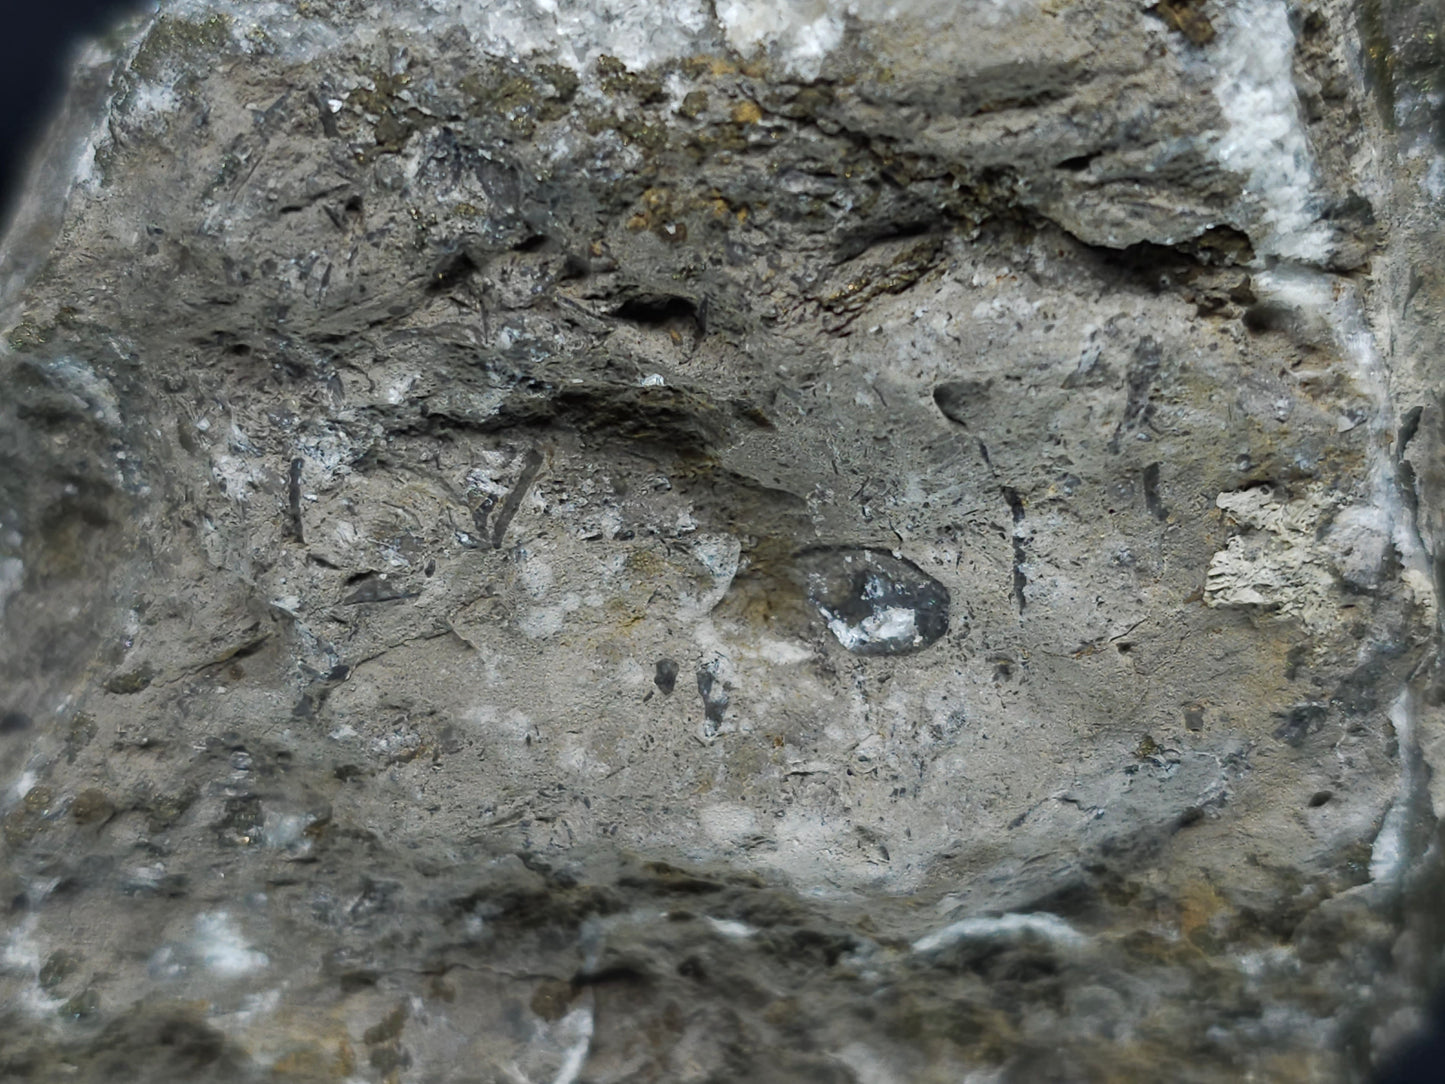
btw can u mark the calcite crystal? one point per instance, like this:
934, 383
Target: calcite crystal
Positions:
585, 541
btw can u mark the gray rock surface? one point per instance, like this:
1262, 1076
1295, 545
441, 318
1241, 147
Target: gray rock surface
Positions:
859, 542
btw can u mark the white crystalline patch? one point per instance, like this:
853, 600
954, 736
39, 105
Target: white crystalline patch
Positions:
151, 99
804, 31
1265, 140
581, 30
1049, 927
1283, 563
396, 391
801, 33
892, 625
731, 928
1259, 509
576, 31
221, 947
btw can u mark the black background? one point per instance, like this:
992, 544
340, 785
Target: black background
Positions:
42, 40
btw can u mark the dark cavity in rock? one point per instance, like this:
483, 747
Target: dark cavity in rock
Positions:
715, 699
873, 602
665, 677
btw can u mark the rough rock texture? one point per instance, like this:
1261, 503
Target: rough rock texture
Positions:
843, 542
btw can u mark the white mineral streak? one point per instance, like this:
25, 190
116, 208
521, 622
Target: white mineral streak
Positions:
576, 32
1048, 927
796, 34
1266, 140
1267, 143
572, 1033
23, 785
576, 1029
1388, 857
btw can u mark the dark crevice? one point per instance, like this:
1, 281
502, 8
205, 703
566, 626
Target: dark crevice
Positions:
957, 399
1151, 492
530, 470
1021, 581
1409, 426
660, 417
618, 973
1138, 410
309, 201
658, 311
1209, 270
855, 244
293, 491
450, 271
715, 699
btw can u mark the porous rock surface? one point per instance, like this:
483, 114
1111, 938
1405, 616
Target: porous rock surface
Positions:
809, 541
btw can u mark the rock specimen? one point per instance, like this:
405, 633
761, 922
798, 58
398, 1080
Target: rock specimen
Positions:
810, 541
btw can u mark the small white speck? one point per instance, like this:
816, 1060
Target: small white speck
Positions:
731, 928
